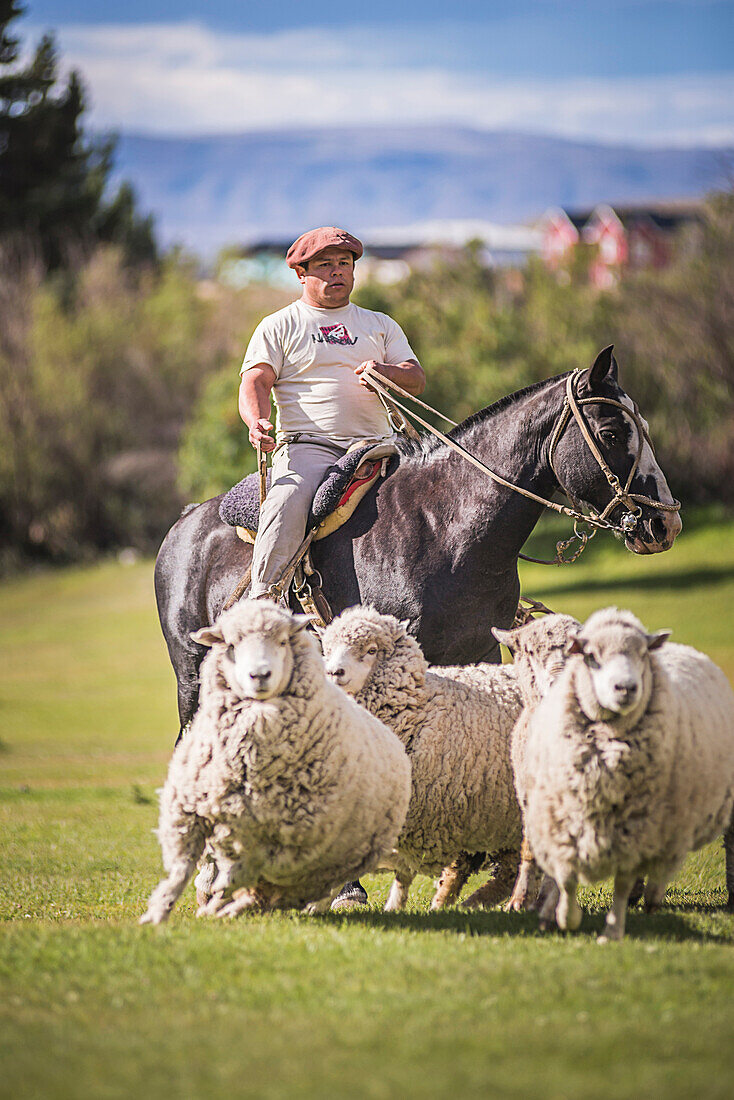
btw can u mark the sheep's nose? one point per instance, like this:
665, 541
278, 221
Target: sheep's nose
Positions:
338, 674
261, 675
625, 691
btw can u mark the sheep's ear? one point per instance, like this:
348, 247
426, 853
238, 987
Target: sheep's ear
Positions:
208, 635
506, 637
300, 622
574, 645
654, 641
605, 366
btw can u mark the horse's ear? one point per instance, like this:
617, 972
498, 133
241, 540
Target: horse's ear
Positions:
208, 635
605, 366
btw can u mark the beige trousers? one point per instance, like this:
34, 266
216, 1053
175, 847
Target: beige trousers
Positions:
298, 469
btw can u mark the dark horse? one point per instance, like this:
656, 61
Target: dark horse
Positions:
437, 542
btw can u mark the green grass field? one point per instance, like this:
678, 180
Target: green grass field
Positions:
373, 1005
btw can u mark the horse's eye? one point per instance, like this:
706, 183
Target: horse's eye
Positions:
610, 435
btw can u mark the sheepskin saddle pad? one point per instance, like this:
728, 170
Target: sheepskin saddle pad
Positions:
343, 486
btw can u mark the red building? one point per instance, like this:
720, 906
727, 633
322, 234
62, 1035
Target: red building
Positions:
626, 236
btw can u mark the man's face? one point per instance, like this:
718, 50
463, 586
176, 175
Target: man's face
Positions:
328, 278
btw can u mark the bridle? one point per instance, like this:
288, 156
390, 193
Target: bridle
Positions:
570, 410
621, 495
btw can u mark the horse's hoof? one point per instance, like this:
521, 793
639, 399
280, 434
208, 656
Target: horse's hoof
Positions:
351, 896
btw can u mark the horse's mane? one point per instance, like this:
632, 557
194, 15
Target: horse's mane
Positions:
428, 444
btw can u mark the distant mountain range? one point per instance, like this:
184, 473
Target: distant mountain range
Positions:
207, 192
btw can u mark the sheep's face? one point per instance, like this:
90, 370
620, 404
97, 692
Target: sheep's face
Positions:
255, 644
616, 675
259, 666
350, 661
539, 652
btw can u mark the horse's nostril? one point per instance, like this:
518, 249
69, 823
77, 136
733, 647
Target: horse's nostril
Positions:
658, 530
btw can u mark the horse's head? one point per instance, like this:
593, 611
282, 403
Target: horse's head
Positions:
602, 456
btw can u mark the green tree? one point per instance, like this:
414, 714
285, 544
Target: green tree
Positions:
53, 180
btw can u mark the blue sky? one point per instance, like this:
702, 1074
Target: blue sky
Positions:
645, 71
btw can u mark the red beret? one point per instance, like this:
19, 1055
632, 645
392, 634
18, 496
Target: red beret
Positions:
316, 240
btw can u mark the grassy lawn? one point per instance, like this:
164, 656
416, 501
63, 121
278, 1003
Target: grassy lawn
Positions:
371, 1004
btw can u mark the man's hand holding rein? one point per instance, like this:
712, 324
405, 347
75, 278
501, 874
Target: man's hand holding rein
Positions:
408, 374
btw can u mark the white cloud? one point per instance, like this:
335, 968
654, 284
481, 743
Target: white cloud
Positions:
184, 78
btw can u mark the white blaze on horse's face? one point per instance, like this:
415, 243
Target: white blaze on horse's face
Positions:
659, 533
261, 664
350, 665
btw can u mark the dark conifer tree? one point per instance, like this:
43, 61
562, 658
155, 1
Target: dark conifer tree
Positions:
52, 178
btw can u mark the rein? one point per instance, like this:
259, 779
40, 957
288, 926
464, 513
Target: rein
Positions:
571, 409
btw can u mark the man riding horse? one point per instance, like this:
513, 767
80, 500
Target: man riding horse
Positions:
311, 356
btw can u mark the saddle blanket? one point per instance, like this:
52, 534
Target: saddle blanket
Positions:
343, 486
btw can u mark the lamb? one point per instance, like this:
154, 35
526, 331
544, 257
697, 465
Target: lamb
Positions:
295, 788
456, 732
628, 766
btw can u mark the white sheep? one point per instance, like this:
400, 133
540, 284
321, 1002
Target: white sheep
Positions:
294, 787
628, 765
457, 734
538, 654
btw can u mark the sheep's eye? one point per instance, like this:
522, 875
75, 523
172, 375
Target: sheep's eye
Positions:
371, 650
283, 642
230, 652
591, 660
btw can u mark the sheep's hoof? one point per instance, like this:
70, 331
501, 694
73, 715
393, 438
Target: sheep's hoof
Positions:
152, 918
351, 896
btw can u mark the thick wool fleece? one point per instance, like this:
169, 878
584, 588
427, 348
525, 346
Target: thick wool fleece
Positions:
296, 794
629, 795
457, 735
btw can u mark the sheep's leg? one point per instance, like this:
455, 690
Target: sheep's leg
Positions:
614, 925
638, 889
167, 893
525, 883
729, 858
242, 901
317, 908
399, 890
454, 877
654, 893
183, 837
568, 911
547, 904
204, 881
500, 885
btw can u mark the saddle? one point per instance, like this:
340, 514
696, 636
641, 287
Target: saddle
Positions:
343, 486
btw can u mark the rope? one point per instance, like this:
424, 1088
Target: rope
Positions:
571, 408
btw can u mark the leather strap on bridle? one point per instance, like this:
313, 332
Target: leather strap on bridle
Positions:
571, 409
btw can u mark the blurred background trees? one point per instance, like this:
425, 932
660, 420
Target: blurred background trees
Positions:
119, 367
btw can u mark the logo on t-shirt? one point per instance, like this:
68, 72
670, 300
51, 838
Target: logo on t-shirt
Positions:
333, 334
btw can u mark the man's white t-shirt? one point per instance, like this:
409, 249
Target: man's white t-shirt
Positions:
313, 353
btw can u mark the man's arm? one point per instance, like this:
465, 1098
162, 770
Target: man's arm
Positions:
408, 374
254, 404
